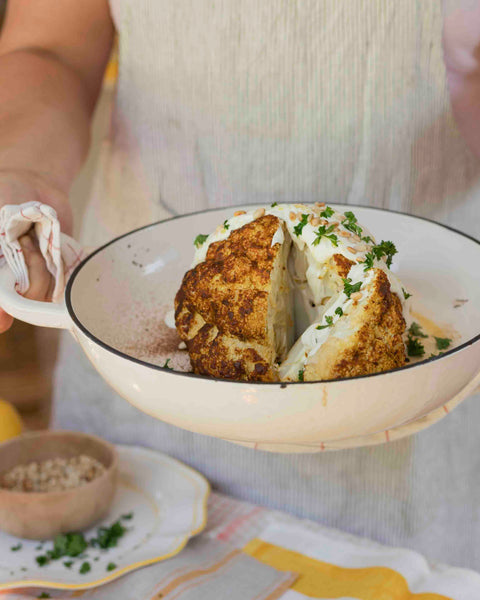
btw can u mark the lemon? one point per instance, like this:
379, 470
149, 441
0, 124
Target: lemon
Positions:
10, 421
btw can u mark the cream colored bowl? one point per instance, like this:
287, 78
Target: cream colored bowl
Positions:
112, 308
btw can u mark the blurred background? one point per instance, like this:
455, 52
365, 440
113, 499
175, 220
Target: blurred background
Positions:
27, 353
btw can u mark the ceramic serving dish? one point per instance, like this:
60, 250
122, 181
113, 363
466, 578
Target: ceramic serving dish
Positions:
114, 303
43, 515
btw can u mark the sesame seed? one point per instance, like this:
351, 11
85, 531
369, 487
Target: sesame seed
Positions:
258, 213
356, 296
320, 204
345, 234
182, 346
292, 216
315, 222
352, 250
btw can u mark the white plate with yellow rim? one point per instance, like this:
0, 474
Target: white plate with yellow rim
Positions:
167, 501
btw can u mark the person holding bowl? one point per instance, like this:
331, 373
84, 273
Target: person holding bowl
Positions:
237, 102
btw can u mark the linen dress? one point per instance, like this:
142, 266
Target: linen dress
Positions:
240, 101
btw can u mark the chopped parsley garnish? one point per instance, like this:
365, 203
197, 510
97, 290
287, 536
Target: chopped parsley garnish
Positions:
339, 311
406, 295
329, 321
111, 566
300, 375
107, 537
16, 548
165, 365
200, 240
325, 232
69, 544
414, 347
416, 331
383, 249
299, 227
368, 262
85, 568
442, 343
44, 595
386, 249
367, 239
351, 223
327, 213
274, 204
349, 288
225, 224
74, 544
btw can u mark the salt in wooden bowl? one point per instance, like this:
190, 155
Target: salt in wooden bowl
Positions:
42, 515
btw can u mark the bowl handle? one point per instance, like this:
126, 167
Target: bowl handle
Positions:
45, 314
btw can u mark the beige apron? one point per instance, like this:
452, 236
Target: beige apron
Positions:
233, 101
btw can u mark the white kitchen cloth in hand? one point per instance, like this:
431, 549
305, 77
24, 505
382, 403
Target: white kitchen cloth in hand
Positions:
61, 252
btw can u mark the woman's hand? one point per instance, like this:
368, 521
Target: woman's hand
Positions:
17, 187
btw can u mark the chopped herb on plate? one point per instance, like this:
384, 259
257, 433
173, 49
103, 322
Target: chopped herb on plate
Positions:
351, 223
406, 295
165, 365
339, 311
107, 537
68, 564
200, 240
16, 548
226, 224
85, 568
44, 595
128, 516
368, 262
274, 204
325, 232
329, 321
42, 560
414, 347
442, 343
327, 213
301, 374
387, 249
299, 227
350, 288
416, 331
111, 566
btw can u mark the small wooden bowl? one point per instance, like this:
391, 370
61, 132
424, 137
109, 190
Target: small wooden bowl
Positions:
42, 515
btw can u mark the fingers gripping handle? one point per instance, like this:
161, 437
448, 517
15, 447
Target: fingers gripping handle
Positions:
45, 314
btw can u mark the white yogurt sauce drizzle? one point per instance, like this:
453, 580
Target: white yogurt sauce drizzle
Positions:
318, 253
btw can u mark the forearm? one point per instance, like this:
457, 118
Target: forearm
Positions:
461, 39
465, 99
45, 114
